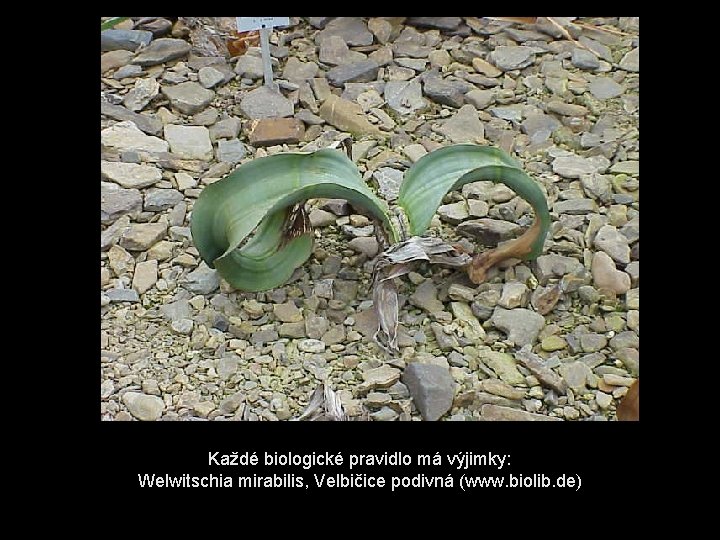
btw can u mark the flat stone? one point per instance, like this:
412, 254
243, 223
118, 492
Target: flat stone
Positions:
631, 61
128, 40
566, 109
264, 102
597, 186
381, 377
182, 326
365, 245
445, 341
607, 276
575, 206
125, 136
489, 232
425, 297
188, 97
261, 337
227, 128
522, 326
297, 71
162, 50
431, 387
605, 88
362, 71
389, 181
145, 276
486, 68
539, 126
321, 218
157, 200
311, 345
480, 99
509, 58
143, 122
504, 366
128, 72
120, 261
499, 413
584, 59
461, 293
404, 97
347, 116
630, 167
202, 280
122, 295
414, 151
625, 340
444, 92
142, 406
141, 94
514, 295
272, 131
591, 343
209, 77
189, 142
454, 213
294, 330
287, 312
464, 126
116, 202
575, 375
612, 242
440, 23
142, 236
540, 370
114, 59
381, 29
352, 30
249, 66
230, 151
334, 51
576, 166
555, 266
130, 175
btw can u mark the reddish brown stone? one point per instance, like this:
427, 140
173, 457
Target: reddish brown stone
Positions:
271, 131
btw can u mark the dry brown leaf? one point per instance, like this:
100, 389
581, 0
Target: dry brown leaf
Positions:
628, 410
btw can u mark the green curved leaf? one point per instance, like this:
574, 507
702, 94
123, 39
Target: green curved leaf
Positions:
228, 211
449, 168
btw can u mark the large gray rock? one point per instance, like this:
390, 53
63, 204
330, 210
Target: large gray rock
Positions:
144, 122
334, 51
202, 280
464, 126
128, 40
188, 97
509, 58
264, 102
607, 276
363, 71
499, 413
157, 200
297, 71
431, 387
404, 97
116, 201
142, 406
141, 94
631, 61
605, 88
347, 116
444, 92
125, 136
142, 236
352, 30
489, 232
539, 126
612, 242
440, 23
584, 59
130, 175
425, 297
576, 166
555, 266
162, 50
231, 151
522, 326
389, 181
189, 142
249, 66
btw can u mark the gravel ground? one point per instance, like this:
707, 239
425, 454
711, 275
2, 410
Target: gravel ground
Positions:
554, 339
